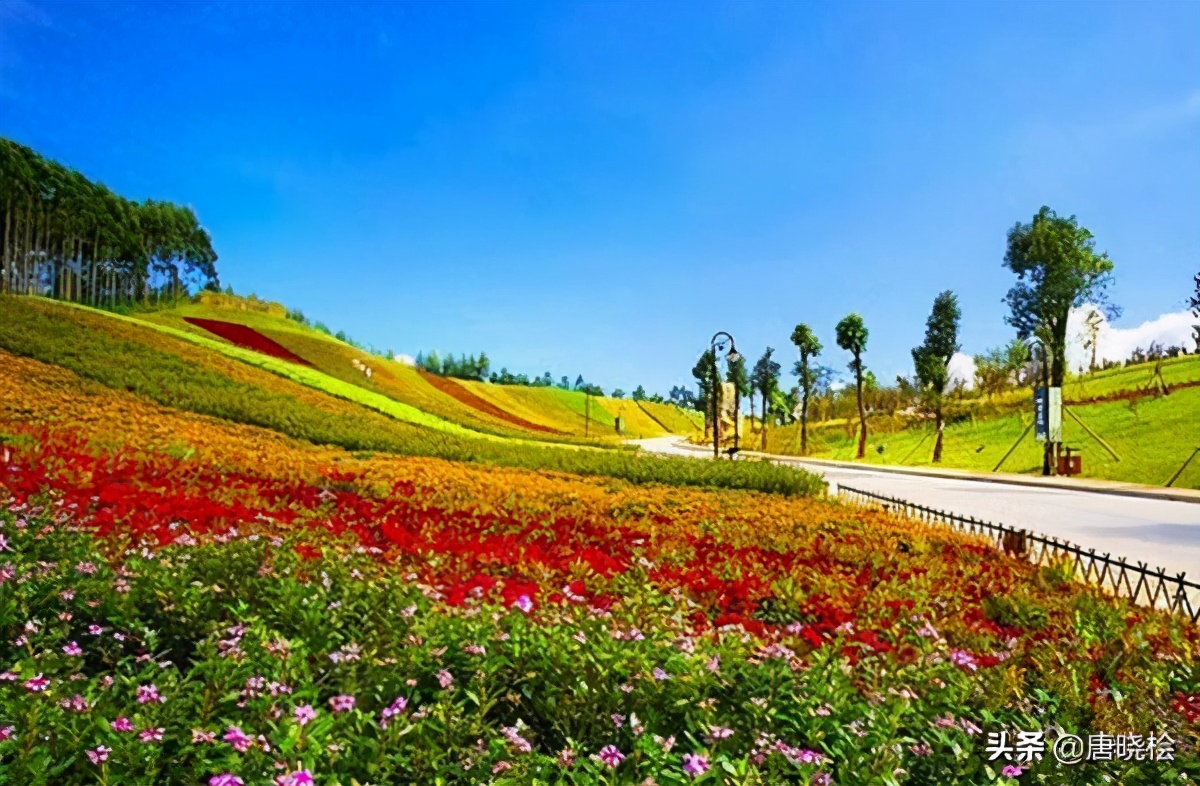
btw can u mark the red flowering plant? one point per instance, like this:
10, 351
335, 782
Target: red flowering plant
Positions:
171, 620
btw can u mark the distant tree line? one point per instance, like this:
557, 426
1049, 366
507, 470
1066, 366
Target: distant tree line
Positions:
65, 237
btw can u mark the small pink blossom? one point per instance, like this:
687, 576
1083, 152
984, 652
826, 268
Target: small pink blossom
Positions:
610, 756
342, 703
304, 713
719, 733
6, 732
695, 764
202, 736
37, 684
98, 754
95, 630
122, 724
76, 704
151, 735
148, 694
298, 778
72, 649
237, 739
445, 678
524, 604
500, 767
226, 779
1011, 771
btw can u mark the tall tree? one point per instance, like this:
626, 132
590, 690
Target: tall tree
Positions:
932, 359
809, 347
704, 372
765, 379
1057, 269
639, 393
852, 337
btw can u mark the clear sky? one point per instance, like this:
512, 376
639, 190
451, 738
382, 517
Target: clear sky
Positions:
598, 187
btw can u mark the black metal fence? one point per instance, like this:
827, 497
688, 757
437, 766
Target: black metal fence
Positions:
1137, 582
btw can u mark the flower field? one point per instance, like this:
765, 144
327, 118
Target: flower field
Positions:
187, 599
247, 337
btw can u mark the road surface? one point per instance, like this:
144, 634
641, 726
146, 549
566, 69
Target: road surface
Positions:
1162, 533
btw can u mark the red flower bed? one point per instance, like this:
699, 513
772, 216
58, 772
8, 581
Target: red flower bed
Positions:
248, 338
457, 391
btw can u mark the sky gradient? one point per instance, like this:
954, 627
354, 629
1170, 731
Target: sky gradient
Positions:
597, 188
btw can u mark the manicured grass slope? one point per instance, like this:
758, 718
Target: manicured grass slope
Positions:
637, 424
1153, 438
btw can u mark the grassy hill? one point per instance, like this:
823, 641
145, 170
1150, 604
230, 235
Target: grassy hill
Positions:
1151, 436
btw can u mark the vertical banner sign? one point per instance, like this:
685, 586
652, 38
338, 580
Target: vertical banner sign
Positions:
1041, 414
1054, 414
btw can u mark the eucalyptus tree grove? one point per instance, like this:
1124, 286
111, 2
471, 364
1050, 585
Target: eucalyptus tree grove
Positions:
69, 238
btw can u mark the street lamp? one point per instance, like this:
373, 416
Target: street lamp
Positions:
718, 345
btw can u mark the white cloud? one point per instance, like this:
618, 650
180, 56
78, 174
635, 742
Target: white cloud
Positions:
1116, 343
405, 359
962, 370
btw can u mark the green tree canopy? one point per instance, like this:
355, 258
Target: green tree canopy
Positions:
852, 336
1057, 269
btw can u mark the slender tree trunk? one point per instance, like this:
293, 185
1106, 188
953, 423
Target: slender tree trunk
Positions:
804, 418
862, 414
941, 426
4, 249
764, 421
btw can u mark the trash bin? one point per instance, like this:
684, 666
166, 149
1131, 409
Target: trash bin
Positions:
1070, 462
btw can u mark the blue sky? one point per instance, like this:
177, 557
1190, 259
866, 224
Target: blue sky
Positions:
598, 187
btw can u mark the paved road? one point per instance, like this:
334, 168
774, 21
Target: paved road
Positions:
1161, 533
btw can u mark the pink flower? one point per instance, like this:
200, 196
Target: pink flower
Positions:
98, 754
1011, 771
304, 713
226, 779
566, 757
95, 630
610, 756
121, 724
237, 739
151, 735
660, 675
695, 764
200, 735
963, 659
37, 684
719, 733
342, 703
714, 664
524, 604
6, 732
148, 694
513, 735
9, 676
501, 766
77, 703
445, 678
72, 649
398, 706
298, 778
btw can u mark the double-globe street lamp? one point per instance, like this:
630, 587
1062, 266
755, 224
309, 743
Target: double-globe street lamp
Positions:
718, 345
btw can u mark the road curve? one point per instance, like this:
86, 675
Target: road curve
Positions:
1162, 533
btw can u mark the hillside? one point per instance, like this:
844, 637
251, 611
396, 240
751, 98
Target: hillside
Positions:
1151, 435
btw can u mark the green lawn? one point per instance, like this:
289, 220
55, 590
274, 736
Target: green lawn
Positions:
1152, 438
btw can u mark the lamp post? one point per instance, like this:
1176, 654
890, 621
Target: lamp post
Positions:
718, 345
